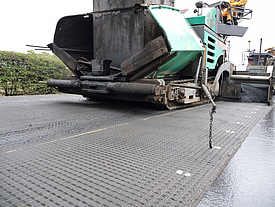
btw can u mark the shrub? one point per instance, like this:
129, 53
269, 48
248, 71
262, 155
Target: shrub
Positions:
22, 74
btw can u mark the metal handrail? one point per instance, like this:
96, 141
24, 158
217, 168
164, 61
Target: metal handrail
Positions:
241, 12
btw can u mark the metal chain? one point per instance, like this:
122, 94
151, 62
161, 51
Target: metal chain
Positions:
212, 111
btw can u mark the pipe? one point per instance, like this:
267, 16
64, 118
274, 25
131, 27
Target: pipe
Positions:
74, 84
198, 70
247, 77
186, 86
97, 78
260, 53
132, 88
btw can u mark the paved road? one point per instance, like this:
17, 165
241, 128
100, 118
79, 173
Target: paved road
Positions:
61, 150
37, 119
248, 179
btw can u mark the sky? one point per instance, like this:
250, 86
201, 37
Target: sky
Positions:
33, 22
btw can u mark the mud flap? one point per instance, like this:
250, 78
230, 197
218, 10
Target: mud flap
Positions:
231, 90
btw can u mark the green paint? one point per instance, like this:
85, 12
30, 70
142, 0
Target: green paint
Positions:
207, 18
181, 36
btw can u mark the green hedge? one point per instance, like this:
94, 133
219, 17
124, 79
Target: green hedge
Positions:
21, 73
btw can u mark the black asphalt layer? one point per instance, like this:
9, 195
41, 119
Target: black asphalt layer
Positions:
248, 179
61, 150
